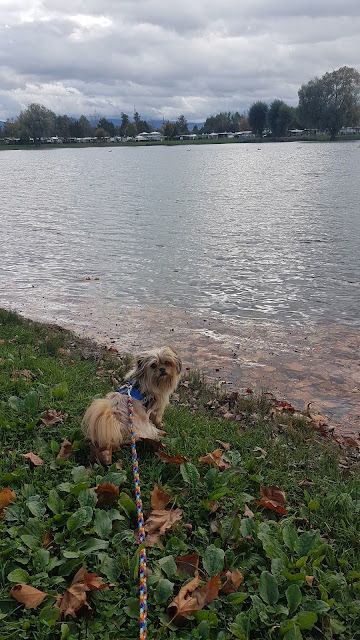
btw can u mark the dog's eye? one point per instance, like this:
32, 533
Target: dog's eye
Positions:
153, 365
167, 363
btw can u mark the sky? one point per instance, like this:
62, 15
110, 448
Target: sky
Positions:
168, 57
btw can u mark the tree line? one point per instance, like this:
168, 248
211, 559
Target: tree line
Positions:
326, 104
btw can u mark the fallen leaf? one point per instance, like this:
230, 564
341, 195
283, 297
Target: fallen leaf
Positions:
64, 352
119, 464
158, 523
228, 416
51, 416
159, 498
177, 459
216, 460
273, 498
25, 373
248, 513
113, 350
248, 390
306, 483
6, 496
65, 450
35, 460
47, 539
310, 580
74, 597
154, 443
107, 493
232, 582
191, 599
103, 456
261, 451
225, 445
29, 596
351, 441
188, 564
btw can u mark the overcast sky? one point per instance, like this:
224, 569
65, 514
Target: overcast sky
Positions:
168, 57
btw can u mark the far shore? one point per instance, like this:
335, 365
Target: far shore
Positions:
168, 143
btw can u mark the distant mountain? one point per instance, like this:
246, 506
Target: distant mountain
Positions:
156, 123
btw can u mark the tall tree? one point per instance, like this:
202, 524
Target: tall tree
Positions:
124, 123
257, 117
108, 126
38, 121
331, 102
63, 127
169, 130
182, 126
131, 130
87, 130
279, 118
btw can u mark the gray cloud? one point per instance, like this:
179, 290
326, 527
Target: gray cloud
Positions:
168, 58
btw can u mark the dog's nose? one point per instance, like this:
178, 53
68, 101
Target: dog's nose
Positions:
162, 371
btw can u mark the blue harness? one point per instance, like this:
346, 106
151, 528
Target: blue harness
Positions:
134, 391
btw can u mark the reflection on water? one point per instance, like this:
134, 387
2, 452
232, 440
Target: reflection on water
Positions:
259, 240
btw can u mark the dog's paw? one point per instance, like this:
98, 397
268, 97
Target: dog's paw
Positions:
162, 433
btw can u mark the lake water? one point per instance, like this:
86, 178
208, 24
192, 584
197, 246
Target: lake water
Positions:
245, 256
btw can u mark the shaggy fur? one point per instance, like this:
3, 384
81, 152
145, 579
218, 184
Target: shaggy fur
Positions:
156, 374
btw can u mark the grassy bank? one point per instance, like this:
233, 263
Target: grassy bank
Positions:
300, 569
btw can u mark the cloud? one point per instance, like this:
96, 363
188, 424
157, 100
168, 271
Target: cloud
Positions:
169, 58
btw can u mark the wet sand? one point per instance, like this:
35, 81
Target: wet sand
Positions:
318, 364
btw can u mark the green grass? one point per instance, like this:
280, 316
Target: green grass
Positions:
318, 537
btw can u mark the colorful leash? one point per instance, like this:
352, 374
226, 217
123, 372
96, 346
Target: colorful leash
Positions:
142, 558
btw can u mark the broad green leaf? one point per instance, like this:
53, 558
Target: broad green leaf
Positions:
132, 607
35, 506
110, 568
277, 567
290, 537
87, 498
308, 541
102, 524
67, 567
60, 390
116, 477
293, 597
80, 518
317, 606
79, 474
247, 527
168, 565
93, 544
128, 505
31, 400
213, 560
54, 502
241, 626
293, 634
163, 591
189, 473
115, 515
65, 631
71, 554
210, 478
306, 619
19, 575
16, 403
42, 558
64, 486
268, 588
49, 615
31, 541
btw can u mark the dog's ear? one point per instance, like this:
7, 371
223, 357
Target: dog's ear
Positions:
140, 362
176, 359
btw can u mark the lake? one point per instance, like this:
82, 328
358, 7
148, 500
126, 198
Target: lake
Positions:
244, 256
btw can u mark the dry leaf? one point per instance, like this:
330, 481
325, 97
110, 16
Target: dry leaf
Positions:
177, 459
188, 564
154, 443
119, 464
216, 460
159, 498
310, 580
248, 390
74, 597
6, 496
29, 596
35, 460
103, 456
25, 373
273, 498
228, 416
247, 512
113, 350
107, 493
47, 539
232, 582
261, 451
64, 352
158, 523
65, 450
191, 599
225, 445
51, 416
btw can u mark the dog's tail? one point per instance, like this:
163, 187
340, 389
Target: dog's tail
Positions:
99, 424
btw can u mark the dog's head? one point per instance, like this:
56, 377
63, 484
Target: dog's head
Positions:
157, 370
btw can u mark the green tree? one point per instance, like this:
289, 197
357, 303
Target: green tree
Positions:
124, 123
38, 121
257, 117
87, 130
331, 102
100, 133
63, 127
182, 126
169, 130
131, 130
11, 128
108, 126
279, 118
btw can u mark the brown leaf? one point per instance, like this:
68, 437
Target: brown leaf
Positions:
47, 539
158, 523
216, 460
232, 582
228, 416
119, 464
25, 373
159, 498
107, 493
35, 460
6, 496
65, 451
191, 599
225, 445
113, 350
154, 443
273, 498
188, 564
51, 416
29, 596
248, 390
103, 456
177, 459
262, 452
74, 597
247, 512
310, 580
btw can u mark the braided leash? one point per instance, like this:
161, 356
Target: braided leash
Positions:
142, 557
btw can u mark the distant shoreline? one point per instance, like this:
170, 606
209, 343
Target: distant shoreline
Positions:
171, 143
